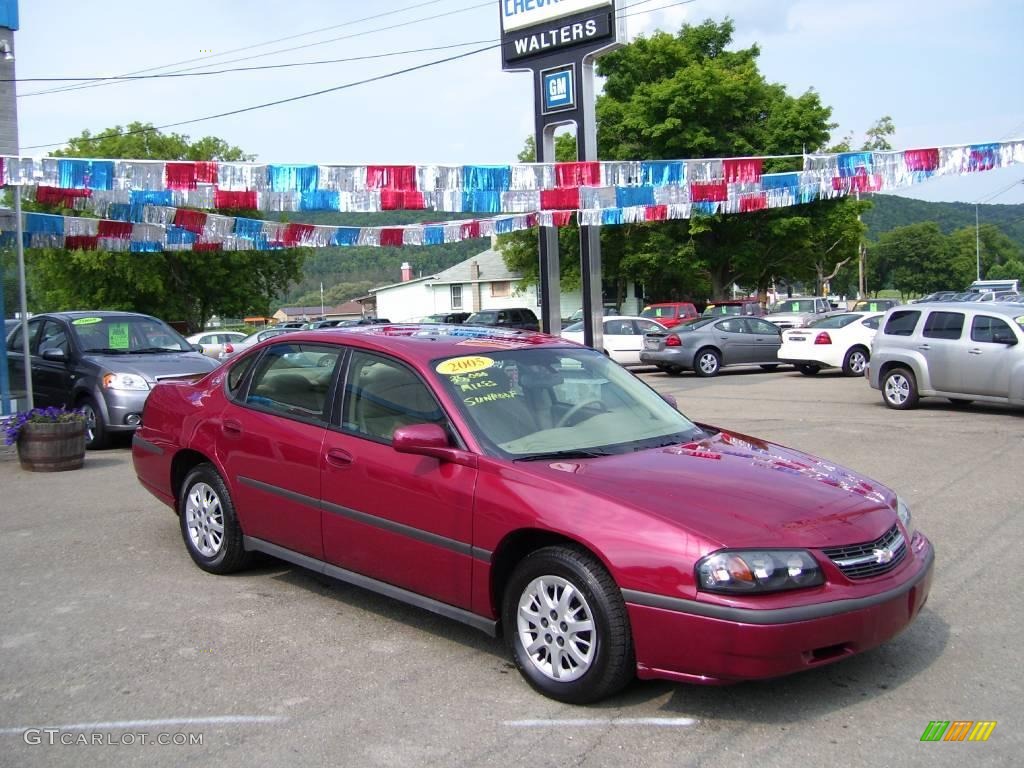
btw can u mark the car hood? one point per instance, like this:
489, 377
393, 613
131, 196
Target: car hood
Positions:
786, 315
154, 367
738, 491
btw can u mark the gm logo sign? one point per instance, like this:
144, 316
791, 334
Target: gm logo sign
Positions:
559, 89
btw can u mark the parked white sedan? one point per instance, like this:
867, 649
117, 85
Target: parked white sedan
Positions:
213, 342
838, 341
623, 337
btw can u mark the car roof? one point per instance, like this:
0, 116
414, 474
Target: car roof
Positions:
78, 313
989, 307
428, 341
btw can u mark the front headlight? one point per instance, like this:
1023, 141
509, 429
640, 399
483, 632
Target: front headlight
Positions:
903, 511
751, 571
129, 381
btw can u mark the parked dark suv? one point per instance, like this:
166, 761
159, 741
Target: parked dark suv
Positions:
513, 317
104, 363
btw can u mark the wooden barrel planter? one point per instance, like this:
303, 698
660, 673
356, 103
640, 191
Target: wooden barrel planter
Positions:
55, 447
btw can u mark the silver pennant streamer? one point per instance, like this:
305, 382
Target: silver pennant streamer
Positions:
75, 226
412, 236
218, 228
116, 244
240, 177
148, 233
520, 201
367, 201
139, 175
200, 197
369, 236
440, 178
621, 174
671, 194
597, 197
274, 231
161, 215
279, 201
449, 200
453, 233
704, 171
679, 210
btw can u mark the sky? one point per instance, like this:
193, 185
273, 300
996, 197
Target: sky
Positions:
945, 71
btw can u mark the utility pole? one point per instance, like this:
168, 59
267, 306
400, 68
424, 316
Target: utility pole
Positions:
977, 242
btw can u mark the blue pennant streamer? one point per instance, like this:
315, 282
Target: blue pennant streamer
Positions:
706, 208
101, 174
43, 224
433, 235
789, 181
120, 212
850, 163
72, 174
627, 196
293, 178
345, 236
481, 201
501, 226
180, 236
145, 246
662, 172
320, 200
250, 229
611, 216
486, 178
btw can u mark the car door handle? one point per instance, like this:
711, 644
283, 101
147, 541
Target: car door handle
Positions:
231, 428
974, 351
924, 347
339, 458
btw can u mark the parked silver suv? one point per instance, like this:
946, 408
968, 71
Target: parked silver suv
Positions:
964, 352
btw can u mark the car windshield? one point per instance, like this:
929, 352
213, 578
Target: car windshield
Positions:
871, 305
127, 334
483, 317
559, 403
834, 321
722, 309
793, 305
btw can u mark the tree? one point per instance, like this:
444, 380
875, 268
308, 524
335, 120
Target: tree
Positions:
188, 286
918, 259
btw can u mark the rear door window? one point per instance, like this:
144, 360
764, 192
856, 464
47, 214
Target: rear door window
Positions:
294, 380
944, 325
902, 323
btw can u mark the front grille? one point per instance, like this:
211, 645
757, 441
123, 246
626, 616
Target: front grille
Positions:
873, 558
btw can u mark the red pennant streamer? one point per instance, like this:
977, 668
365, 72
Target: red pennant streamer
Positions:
206, 173
711, 192
81, 243
757, 202
193, 221
58, 196
469, 230
180, 175
401, 200
921, 159
391, 176
392, 236
207, 247
656, 213
553, 199
297, 234
562, 218
119, 229
245, 199
578, 174
747, 170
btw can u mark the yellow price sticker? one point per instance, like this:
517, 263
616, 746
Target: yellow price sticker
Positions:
467, 364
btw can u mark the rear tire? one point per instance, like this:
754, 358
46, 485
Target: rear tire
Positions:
856, 361
674, 370
209, 526
808, 370
566, 624
707, 363
899, 389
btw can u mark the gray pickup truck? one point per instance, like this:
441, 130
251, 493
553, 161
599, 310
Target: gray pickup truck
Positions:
797, 313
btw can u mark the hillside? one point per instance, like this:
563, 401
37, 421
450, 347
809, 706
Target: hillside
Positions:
890, 212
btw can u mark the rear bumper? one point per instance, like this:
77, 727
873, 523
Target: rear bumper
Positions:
675, 356
741, 644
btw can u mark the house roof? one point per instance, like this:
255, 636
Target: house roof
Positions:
348, 308
492, 269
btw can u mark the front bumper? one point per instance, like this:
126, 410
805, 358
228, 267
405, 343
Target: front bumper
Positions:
744, 644
124, 408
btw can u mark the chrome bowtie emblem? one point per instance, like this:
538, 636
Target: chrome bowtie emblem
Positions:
883, 556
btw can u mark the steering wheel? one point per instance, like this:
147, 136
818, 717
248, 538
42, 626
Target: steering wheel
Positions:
577, 408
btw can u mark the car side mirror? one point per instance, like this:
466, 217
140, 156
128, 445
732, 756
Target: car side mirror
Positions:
197, 347
430, 440
670, 399
1001, 337
54, 355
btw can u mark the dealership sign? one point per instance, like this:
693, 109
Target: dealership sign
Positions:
536, 29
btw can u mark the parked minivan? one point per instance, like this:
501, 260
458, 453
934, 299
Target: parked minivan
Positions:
964, 352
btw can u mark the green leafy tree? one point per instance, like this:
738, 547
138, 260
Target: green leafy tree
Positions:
917, 258
185, 286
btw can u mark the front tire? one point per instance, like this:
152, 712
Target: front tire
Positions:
96, 434
707, 363
856, 361
566, 624
899, 389
209, 526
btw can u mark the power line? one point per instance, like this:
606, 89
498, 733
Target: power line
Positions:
274, 103
250, 69
321, 92
1002, 191
285, 50
249, 47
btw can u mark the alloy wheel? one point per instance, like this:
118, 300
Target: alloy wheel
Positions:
897, 389
556, 628
204, 519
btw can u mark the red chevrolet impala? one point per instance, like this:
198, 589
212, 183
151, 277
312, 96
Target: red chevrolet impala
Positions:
527, 485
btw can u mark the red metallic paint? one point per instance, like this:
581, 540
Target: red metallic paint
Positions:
648, 516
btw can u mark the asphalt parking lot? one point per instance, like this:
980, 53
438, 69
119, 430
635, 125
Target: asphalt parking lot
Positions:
108, 628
